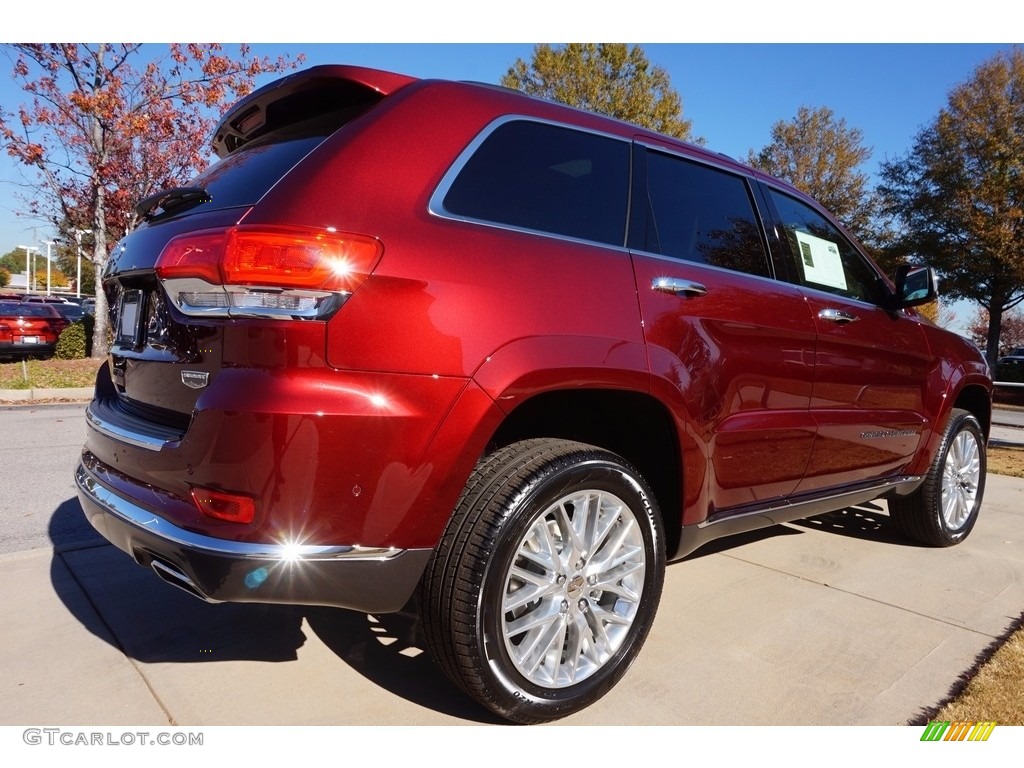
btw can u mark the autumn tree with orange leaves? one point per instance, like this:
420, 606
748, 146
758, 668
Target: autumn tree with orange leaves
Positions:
104, 128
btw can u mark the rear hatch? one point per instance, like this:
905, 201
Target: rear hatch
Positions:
193, 273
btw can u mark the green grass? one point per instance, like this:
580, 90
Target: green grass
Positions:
48, 374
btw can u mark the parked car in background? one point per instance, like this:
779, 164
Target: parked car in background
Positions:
41, 299
29, 329
89, 305
70, 311
1010, 367
416, 337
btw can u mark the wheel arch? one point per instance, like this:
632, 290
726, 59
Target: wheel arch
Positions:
633, 425
976, 399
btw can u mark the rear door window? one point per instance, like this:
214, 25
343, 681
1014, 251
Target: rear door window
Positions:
544, 178
702, 214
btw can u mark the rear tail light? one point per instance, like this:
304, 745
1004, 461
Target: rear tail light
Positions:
265, 272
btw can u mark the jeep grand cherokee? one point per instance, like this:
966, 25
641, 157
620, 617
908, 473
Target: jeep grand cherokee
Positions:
413, 337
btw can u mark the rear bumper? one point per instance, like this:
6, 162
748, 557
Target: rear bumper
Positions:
372, 580
10, 348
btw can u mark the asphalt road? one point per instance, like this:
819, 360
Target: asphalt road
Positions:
1008, 417
39, 446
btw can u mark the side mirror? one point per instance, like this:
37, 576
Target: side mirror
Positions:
915, 285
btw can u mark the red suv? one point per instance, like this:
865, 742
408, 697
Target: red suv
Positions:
414, 337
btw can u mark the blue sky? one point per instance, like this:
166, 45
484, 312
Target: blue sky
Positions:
732, 91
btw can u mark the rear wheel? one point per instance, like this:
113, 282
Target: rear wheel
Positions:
547, 579
943, 510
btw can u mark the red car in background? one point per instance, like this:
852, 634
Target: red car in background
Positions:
29, 329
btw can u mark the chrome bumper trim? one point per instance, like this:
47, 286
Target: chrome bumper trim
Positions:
140, 518
122, 435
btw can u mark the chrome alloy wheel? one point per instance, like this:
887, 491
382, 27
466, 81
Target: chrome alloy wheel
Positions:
961, 476
573, 589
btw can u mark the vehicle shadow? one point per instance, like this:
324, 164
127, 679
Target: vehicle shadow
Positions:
150, 621
389, 650
869, 521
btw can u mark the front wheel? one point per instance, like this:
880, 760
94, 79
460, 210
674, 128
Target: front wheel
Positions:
943, 510
546, 581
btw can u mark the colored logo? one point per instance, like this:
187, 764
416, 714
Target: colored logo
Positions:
957, 731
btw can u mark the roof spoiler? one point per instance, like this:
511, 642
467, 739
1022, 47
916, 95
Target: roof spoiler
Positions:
294, 97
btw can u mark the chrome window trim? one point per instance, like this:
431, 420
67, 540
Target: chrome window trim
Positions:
704, 265
732, 170
435, 206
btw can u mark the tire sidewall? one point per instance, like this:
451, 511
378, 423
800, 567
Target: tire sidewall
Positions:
960, 422
518, 695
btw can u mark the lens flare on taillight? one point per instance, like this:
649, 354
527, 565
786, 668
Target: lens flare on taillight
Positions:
266, 271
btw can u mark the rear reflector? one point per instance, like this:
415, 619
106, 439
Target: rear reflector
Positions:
232, 507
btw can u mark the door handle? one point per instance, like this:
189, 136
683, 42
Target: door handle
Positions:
677, 286
837, 316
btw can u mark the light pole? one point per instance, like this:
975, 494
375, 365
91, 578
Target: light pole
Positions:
28, 266
78, 241
49, 244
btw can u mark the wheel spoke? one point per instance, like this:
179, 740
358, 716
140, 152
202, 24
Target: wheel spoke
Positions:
529, 622
602, 647
619, 588
568, 531
615, 549
600, 523
542, 644
578, 637
534, 588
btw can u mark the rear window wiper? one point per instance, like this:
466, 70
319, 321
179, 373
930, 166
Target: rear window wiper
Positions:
169, 199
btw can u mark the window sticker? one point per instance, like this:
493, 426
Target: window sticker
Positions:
821, 261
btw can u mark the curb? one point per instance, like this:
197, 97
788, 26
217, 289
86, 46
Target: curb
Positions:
66, 394
997, 443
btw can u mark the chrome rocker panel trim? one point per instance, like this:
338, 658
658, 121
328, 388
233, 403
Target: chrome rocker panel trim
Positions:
755, 517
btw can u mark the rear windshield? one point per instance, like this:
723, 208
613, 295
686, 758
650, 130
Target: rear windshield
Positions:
27, 310
243, 177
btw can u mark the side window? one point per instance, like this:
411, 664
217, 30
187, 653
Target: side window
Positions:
547, 178
822, 257
701, 214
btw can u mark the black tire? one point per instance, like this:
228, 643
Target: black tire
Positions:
944, 509
509, 542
